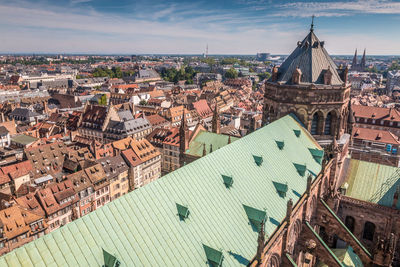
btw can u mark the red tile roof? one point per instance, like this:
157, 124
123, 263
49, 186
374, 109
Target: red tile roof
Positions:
130, 156
51, 197
17, 170
376, 113
203, 108
156, 119
375, 135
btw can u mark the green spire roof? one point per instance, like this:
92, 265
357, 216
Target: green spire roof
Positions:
142, 228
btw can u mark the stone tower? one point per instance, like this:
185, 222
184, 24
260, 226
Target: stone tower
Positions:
309, 85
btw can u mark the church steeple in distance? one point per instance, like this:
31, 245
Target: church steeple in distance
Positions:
363, 60
354, 63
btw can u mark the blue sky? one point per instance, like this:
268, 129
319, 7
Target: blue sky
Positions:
186, 27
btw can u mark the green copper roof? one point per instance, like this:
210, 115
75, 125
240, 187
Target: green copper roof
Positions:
217, 141
347, 256
142, 228
24, 139
372, 182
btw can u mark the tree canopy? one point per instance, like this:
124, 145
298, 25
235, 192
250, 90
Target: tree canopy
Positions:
231, 73
183, 74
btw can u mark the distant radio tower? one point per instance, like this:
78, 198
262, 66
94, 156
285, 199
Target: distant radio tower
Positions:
206, 54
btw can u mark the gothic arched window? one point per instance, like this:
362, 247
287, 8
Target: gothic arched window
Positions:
328, 124
349, 222
369, 231
274, 261
314, 124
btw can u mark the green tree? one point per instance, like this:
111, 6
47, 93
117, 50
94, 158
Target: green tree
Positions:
231, 73
103, 100
143, 102
264, 75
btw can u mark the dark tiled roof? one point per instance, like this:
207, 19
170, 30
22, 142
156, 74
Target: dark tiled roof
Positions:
131, 126
3, 130
24, 112
312, 59
113, 166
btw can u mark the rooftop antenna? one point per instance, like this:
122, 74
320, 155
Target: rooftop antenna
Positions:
312, 23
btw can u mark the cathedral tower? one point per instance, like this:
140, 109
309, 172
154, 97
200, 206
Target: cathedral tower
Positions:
309, 85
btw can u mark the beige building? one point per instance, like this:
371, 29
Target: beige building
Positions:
116, 171
144, 161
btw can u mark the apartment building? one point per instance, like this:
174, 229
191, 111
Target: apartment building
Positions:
116, 171
60, 203
85, 191
101, 184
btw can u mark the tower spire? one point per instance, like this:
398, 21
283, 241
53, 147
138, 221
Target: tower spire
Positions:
363, 61
354, 63
183, 139
312, 23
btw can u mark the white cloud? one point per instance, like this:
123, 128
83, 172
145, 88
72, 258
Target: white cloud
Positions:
170, 29
341, 8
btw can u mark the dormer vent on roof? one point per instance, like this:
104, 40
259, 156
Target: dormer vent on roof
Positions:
280, 144
297, 133
183, 212
228, 180
258, 160
281, 188
214, 257
317, 154
255, 216
301, 169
